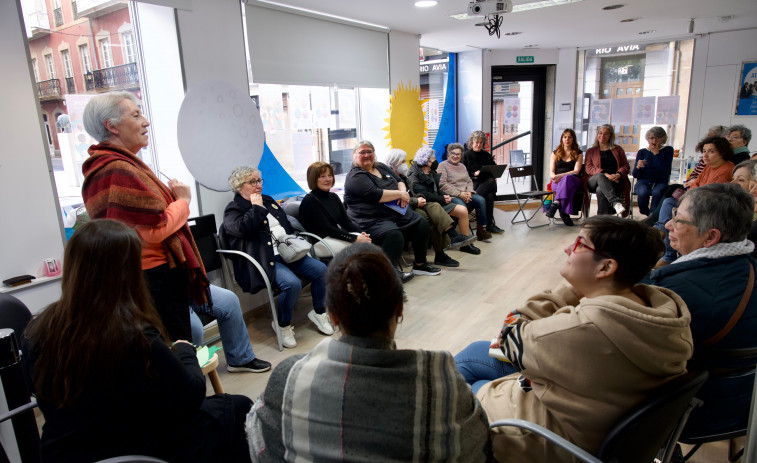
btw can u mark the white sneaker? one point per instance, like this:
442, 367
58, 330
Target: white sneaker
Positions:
321, 321
287, 335
619, 209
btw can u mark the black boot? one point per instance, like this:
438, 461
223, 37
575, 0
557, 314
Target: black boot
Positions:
566, 218
553, 208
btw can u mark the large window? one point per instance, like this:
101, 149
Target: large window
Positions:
635, 87
433, 75
106, 54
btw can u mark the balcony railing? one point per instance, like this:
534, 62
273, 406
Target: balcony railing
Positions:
49, 89
70, 85
58, 13
124, 76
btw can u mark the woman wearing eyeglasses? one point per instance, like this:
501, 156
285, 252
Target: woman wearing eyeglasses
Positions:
252, 220
377, 200
578, 357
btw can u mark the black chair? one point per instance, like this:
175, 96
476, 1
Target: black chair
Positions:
638, 437
723, 416
524, 197
14, 316
203, 230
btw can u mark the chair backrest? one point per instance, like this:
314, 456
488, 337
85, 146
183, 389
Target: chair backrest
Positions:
521, 171
640, 434
292, 208
203, 230
726, 395
517, 158
14, 314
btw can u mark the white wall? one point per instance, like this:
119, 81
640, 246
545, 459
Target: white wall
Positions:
714, 82
31, 229
565, 93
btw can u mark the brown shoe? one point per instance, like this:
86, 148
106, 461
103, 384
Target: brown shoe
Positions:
482, 234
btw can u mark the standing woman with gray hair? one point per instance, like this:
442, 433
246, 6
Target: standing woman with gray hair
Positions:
118, 185
652, 169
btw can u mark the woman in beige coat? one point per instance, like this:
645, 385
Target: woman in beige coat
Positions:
585, 353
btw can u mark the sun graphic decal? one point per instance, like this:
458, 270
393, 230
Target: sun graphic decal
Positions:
407, 126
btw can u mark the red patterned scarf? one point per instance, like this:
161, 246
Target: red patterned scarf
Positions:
119, 186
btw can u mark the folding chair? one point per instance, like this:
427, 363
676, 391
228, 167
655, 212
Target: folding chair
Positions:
526, 196
653, 425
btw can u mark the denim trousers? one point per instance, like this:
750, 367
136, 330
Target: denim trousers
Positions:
478, 368
231, 326
666, 214
645, 189
479, 204
287, 279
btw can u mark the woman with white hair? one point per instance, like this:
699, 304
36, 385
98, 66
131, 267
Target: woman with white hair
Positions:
652, 169
438, 208
118, 185
253, 221
377, 200
739, 137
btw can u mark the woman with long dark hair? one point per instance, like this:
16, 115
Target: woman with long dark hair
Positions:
564, 167
106, 380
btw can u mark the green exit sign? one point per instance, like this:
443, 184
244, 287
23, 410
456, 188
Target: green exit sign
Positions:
524, 59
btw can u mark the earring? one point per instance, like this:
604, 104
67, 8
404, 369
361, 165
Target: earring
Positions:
400, 318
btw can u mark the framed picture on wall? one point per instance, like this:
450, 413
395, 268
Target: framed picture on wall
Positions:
746, 99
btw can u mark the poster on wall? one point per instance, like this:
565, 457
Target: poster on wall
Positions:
622, 111
600, 112
321, 102
667, 110
272, 108
511, 110
643, 110
433, 113
747, 92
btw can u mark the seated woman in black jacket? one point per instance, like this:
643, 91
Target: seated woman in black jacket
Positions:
106, 381
377, 200
323, 213
252, 221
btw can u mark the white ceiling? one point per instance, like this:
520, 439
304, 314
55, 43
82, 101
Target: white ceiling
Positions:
582, 24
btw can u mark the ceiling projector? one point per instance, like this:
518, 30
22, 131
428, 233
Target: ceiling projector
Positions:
489, 7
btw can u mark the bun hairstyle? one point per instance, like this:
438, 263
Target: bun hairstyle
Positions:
363, 291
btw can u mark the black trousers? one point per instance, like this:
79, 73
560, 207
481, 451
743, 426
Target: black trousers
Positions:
169, 290
488, 189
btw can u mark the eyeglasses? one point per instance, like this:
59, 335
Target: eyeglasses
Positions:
365, 152
734, 137
580, 244
676, 220
254, 182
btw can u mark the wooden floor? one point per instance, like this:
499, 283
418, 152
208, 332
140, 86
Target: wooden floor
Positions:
448, 311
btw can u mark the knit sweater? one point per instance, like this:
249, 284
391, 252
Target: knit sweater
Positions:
362, 400
454, 178
720, 174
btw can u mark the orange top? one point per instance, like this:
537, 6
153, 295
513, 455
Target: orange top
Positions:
720, 174
153, 252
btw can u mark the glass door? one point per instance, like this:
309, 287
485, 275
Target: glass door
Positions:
517, 132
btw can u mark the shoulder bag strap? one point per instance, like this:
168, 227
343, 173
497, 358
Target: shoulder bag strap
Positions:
737, 314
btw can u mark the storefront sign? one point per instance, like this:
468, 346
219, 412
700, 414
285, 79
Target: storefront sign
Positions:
436, 67
524, 59
615, 49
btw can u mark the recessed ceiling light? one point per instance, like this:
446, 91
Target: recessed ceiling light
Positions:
512, 33
541, 4
461, 16
647, 32
425, 3
629, 20
531, 46
613, 7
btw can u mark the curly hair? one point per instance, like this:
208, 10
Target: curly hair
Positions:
240, 175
